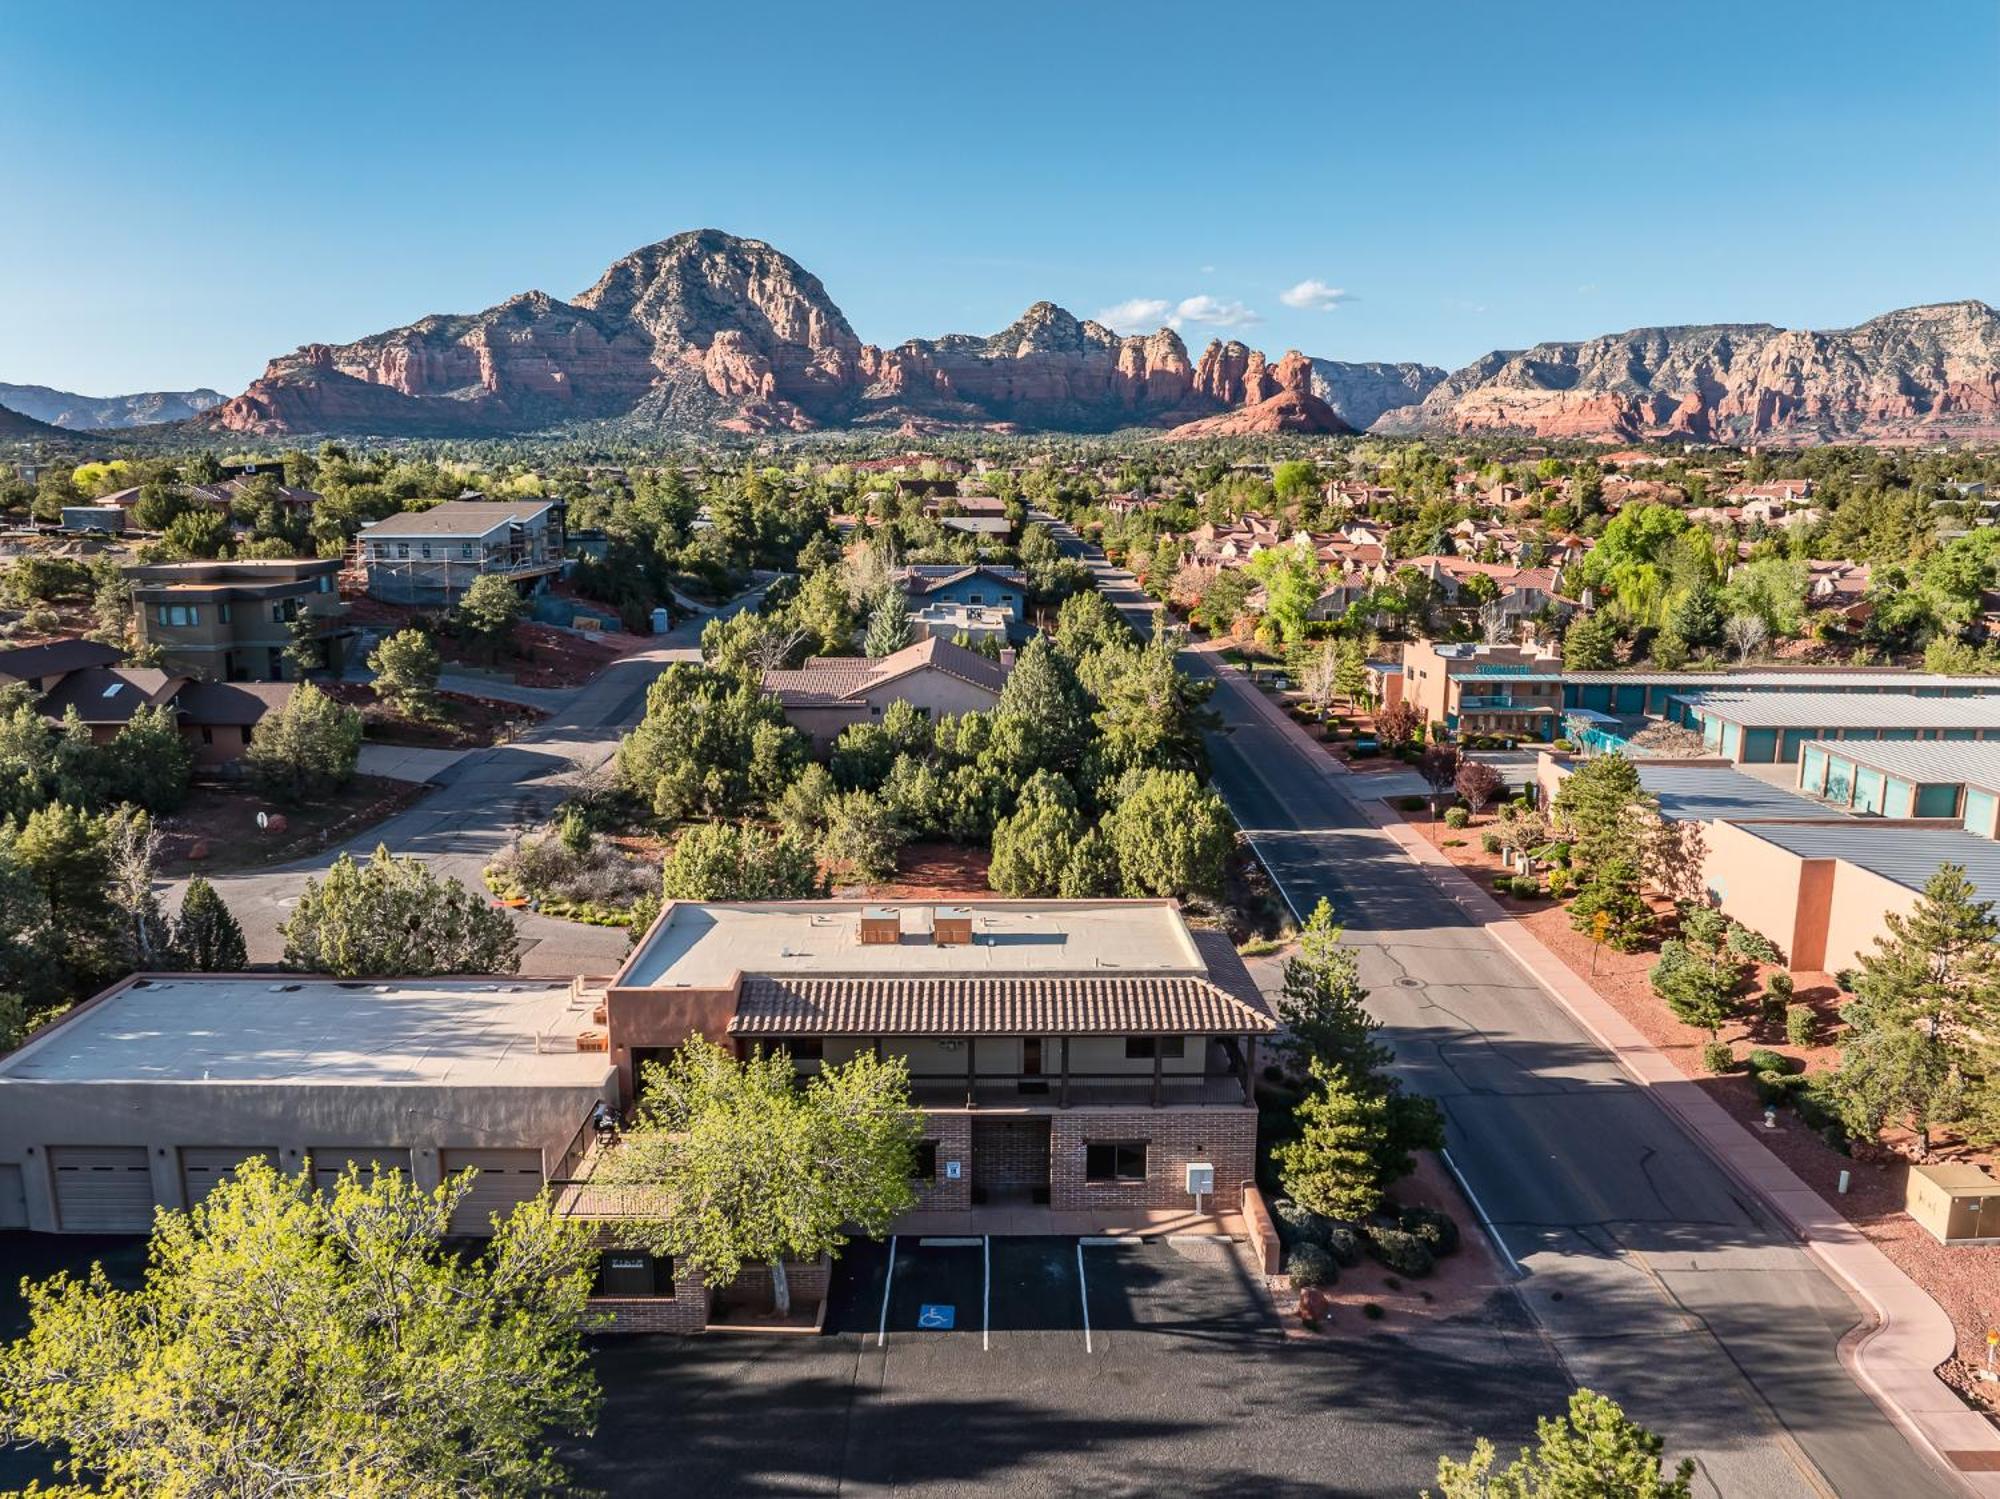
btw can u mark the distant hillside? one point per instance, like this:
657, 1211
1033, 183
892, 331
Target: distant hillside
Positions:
1920, 374
62, 408
15, 426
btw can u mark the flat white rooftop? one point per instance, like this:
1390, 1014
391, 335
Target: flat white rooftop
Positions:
703, 946
271, 1028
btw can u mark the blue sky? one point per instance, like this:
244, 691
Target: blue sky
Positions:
192, 190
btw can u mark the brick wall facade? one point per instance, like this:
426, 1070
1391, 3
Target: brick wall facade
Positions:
953, 1134
1226, 1137
1010, 1155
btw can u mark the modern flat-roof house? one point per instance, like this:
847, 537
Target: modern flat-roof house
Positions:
827, 693
1763, 728
430, 557
146, 1095
1078, 1054
982, 586
233, 621
1905, 779
1484, 689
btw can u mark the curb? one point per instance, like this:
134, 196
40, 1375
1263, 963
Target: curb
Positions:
1912, 1396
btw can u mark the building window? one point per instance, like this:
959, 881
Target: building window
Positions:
178, 614
426, 550
465, 551
806, 1049
1145, 1048
207, 734
246, 734
326, 582
1115, 1161
923, 1164
222, 613
628, 1272
975, 598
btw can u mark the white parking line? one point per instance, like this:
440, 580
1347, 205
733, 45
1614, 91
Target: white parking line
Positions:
986, 1293
882, 1327
1083, 1290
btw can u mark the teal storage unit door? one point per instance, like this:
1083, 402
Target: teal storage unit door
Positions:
1937, 801
1812, 771
1760, 746
1867, 790
1732, 741
1899, 799
1631, 699
1980, 807
1839, 780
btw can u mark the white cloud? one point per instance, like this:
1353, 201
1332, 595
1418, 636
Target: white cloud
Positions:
1136, 314
1219, 311
1314, 295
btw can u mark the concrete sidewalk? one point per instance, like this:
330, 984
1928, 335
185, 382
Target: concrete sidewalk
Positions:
1895, 1359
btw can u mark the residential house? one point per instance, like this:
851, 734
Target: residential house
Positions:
430, 557
979, 586
235, 621
1484, 689
827, 693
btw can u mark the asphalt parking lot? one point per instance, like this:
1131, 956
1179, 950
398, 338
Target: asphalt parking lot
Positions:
1068, 1367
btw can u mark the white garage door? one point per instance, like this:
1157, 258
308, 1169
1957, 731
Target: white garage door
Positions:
329, 1161
505, 1178
13, 1198
202, 1166
107, 1190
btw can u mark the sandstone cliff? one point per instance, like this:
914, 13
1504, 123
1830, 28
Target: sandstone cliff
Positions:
706, 330
1361, 392
1923, 373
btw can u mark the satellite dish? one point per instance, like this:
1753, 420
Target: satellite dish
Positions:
263, 819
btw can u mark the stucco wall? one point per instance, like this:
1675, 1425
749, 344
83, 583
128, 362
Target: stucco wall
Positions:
1860, 900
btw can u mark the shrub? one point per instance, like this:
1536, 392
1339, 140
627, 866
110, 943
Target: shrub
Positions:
1457, 817
1527, 887
1299, 1225
1753, 945
1503, 884
1781, 986
1490, 841
1559, 855
1777, 1087
1343, 1242
1718, 1056
1763, 1059
1434, 1226
1704, 927
1770, 1009
1558, 883
1309, 1265
1372, 1310
1847, 978
1401, 1251
1819, 1109
1801, 1025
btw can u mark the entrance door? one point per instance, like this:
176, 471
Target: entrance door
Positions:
1010, 1160
1032, 1080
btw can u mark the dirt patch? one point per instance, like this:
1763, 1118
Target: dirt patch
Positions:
1964, 1280
464, 722
219, 822
538, 655
931, 871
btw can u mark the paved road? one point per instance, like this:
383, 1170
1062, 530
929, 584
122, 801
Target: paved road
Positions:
1647, 1269
484, 799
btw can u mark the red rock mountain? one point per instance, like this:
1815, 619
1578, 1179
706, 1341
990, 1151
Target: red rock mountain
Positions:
706, 330
1921, 374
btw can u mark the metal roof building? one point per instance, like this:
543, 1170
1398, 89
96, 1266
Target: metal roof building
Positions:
1762, 728
1703, 793
1904, 778
1908, 856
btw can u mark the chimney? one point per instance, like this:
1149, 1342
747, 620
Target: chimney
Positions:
1007, 657
881, 926
951, 926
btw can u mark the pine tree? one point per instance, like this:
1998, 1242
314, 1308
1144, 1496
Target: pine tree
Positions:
888, 623
1330, 1168
1597, 805
1596, 1452
207, 937
1613, 889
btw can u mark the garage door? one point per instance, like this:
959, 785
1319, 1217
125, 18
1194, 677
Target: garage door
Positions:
202, 1166
505, 1178
103, 1191
329, 1161
13, 1198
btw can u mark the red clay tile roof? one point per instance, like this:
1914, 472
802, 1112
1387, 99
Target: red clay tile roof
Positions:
824, 681
971, 1005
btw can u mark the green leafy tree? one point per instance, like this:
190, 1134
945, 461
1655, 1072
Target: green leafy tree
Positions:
488, 612
396, 916
1934, 976
1596, 1452
67, 853
822, 611
207, 937
1330, 1166
1086, 623
1292, 578
1032, 849
197, 533
727, 861
406, 667
1696, 616
1698, 987
1173, 836
146, 762
161, 500
711, 744
289, 1341
1042, 718
307, 749
733, 1163
1150, 714
1091, 870
807, 802
1223, 602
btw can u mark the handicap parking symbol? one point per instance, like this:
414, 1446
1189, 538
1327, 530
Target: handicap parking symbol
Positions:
932, 1316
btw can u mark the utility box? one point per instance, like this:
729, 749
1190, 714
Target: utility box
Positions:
1955, 1204
1200, 1179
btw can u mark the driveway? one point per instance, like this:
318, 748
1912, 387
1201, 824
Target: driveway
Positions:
483, 798
1650, 1272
